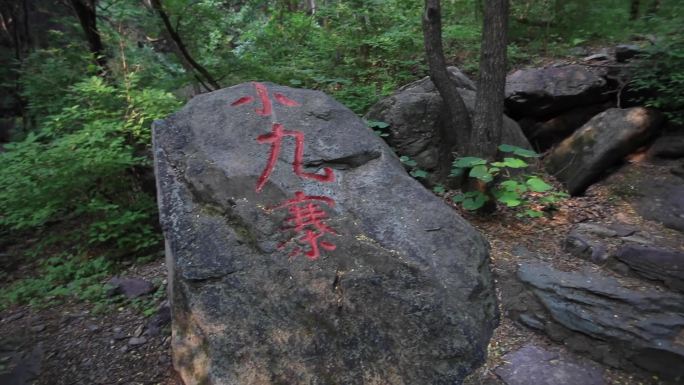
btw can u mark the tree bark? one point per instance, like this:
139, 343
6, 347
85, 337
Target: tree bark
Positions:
87, 16
184, 53
489, 101
458, 130
633, 10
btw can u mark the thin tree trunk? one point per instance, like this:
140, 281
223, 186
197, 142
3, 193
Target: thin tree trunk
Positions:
458, 128
86, 13
185, 55
489, 101
633, 10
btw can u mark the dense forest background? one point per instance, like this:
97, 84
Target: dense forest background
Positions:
82, 81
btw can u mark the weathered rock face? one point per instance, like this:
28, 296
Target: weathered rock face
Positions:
620, 322
534, 365
655, 263
547, 91
545, 134
602, 142
300, 251
417, 119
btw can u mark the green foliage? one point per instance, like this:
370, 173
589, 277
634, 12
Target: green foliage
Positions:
512, 189
660, 75
59, 277
413, 169
81, 165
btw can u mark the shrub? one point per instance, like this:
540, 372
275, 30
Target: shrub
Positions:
526, 192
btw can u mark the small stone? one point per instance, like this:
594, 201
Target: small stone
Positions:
637, 239
137, 341
38, 328
131, 287
596, 229
14, 317
138, 331
624, 52
123, 349
92, 327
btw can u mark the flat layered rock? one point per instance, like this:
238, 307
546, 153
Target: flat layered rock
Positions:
301, 252
622, 323
535, 365
655, 263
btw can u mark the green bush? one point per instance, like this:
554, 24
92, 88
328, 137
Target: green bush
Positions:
660, 75
80, 166
527, 193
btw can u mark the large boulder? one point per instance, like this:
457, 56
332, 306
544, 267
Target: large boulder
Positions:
301, 252
621, 322
417, 118
546, 133
602, 142
544, 92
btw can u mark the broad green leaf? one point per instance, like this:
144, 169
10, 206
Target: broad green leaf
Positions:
458, 198
534, 213
408, 161
480, 172
511, 163
418, 173
509, 198
456, 171
468, 161
475, 203
518, 151
439, 189
511, 185
376, 124
536, 184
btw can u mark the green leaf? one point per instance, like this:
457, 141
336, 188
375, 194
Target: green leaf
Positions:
458, 198
534, 213
418, 173
476, 202
509, 198
439, 189
457, 171
480, 172
511, 185
376, 124
408, 161
511, 163
468, 161
518, 151
536, 184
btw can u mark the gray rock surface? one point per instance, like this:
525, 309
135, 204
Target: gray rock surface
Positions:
625, 52
417, 117
655, 263
662, 200
549, 132
131, 287
535, 365
602, 142
400, 292
623, 323
547, 91
670, 145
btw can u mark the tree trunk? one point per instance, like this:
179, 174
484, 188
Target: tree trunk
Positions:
633, 10
184, 53
653, 7
489, 102
86, 13
457, 132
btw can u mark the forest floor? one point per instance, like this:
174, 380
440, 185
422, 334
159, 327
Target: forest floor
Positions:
71, 344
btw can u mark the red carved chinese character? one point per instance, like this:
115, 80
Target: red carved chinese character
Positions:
307, 220
266, 105
275, 138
